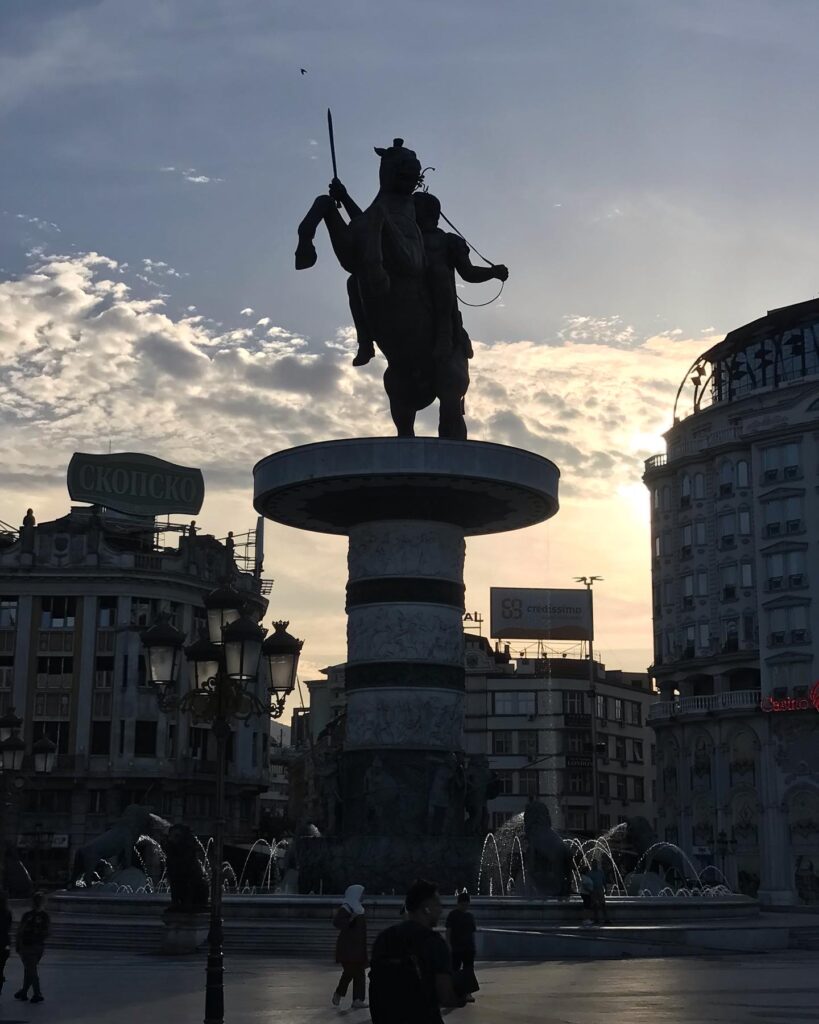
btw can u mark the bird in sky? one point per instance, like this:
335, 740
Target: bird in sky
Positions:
303, 70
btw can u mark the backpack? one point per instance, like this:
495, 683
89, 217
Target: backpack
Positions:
399, 986
33, 929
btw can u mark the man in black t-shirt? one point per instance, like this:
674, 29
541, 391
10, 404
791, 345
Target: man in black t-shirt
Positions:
411, 974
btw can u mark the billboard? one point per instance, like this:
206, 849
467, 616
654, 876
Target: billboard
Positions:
136, 484
535, 613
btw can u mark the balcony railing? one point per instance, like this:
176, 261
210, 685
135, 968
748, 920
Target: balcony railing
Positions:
734, 700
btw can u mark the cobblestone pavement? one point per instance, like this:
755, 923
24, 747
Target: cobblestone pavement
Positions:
781, 988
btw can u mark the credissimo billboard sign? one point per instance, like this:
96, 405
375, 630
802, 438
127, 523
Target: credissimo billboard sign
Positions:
535, 613
135, 484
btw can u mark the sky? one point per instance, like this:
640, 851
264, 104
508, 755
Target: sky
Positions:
646, 169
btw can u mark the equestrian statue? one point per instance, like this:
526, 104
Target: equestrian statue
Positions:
402, 289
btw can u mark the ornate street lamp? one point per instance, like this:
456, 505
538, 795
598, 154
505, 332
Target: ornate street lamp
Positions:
223, 675
12, 752
281, 652
44, 751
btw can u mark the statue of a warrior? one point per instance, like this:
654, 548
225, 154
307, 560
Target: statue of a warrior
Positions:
402, 289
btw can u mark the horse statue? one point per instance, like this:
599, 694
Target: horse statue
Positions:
186, 870
117, 844
402, 289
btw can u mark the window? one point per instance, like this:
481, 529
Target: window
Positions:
107, 612
121, 736
635, 716
655, 499
730, 634
618, 710
744, 522
639, 788
199, 805
58, 612
749, 630
528, 782
48, 801
527, 742
100, 744
704, 636
502, 741
6, 672
620, 748
699, 532
602, 784
699, 486
144, 739
746, 573
101, 704
605, 822
702, 583
515, 702
600, 700
782, 461
621, 782
576, 818
579, 782
687, 536
8, 612
668, 592
170, 747
785, 569
637, 749
687, 587
505, 783
577, 743
726, 479
743, 474
254, 750
55, 673
573, 702
727, 529
685, 490
103, 672
52, 705
144, 611
666, 498
95, 801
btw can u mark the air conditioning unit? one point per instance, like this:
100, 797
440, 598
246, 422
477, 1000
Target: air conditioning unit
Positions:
775, 583
770, 474
773, 529
797, 579
776, 639
791, 473
799, 636
793, 526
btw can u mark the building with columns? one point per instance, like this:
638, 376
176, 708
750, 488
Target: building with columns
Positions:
735, 576
74, 595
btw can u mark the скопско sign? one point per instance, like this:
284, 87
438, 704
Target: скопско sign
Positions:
136, 484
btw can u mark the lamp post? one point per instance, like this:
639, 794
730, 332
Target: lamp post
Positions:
588, 582
12, 753
225, 684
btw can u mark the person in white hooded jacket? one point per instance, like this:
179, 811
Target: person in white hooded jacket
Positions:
351, 947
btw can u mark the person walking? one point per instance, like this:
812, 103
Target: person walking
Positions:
460, 934
32, 933
411, 966
598, 894
5, 936
351, 947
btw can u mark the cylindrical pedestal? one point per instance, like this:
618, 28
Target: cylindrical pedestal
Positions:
406, 506
403, 773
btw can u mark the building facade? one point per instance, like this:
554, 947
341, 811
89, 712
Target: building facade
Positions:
532, 718
74, 595
735, 576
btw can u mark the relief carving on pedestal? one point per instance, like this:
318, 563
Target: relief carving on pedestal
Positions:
405, 633
401, 548
405, 718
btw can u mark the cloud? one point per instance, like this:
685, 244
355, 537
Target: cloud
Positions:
40, 223
191, 174
247, 311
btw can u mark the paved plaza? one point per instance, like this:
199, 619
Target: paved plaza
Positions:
121, 989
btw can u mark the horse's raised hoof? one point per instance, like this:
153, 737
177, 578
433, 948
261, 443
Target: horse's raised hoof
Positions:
305, 255
363, 357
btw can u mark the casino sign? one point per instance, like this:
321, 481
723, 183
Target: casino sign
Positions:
769, 704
